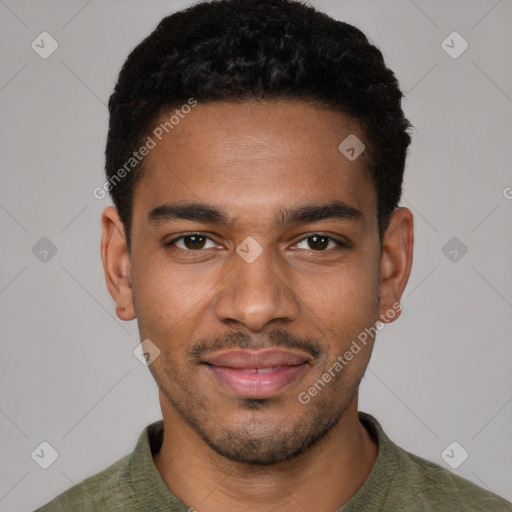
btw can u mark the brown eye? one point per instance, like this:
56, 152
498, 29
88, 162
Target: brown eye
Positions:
320, 243
194, 242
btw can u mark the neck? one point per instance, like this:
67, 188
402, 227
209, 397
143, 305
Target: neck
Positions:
324, 478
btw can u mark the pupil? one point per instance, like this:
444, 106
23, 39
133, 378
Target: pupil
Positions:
319, 242
194, 242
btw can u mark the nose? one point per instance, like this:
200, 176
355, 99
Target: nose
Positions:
256, 293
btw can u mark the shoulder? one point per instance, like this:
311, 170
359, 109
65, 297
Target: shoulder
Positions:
118, 487
439, 487
401, 480
97, 492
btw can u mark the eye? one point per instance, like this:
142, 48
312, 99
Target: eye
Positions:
193, 242
320, 243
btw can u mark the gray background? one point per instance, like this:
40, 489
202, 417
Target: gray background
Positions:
68, 375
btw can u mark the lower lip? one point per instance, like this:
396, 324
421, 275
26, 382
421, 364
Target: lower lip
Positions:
257, 385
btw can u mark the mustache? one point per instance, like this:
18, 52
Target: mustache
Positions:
277, 338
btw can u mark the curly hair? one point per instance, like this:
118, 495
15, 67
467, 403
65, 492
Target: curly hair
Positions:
236, 50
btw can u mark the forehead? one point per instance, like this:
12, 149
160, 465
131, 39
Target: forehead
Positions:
255, 157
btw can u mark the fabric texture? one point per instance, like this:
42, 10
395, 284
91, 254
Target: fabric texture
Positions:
398, 481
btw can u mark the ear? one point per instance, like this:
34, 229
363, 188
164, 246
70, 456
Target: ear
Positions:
396, 263
116, 263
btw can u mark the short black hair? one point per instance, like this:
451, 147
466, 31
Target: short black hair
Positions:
236, 50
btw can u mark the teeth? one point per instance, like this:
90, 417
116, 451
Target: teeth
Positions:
260, 370
266, 370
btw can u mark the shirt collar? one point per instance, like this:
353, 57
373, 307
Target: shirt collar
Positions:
141, 478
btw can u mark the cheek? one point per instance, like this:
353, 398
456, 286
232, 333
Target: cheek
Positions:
346, 296
343, 308
167, 297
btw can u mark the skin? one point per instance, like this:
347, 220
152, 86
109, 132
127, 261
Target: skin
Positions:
253, 160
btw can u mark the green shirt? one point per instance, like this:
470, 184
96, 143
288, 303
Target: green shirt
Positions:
398, 481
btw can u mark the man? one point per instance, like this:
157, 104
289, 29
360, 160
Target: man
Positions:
255, 158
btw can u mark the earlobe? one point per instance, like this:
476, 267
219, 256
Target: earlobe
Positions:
396, 263
116, 263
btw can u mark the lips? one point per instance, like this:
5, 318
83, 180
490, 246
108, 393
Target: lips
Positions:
257, 373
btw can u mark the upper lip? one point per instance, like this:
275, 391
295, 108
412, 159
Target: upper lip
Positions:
263, 358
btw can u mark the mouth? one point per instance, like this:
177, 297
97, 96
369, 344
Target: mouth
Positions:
257, 373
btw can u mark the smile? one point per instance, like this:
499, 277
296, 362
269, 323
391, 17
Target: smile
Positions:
257, 373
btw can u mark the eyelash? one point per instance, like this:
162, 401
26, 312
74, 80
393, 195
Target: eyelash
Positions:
171, 243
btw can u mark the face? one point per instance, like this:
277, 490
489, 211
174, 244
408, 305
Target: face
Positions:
255, 264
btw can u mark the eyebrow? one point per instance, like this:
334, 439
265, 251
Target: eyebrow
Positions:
202, 212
